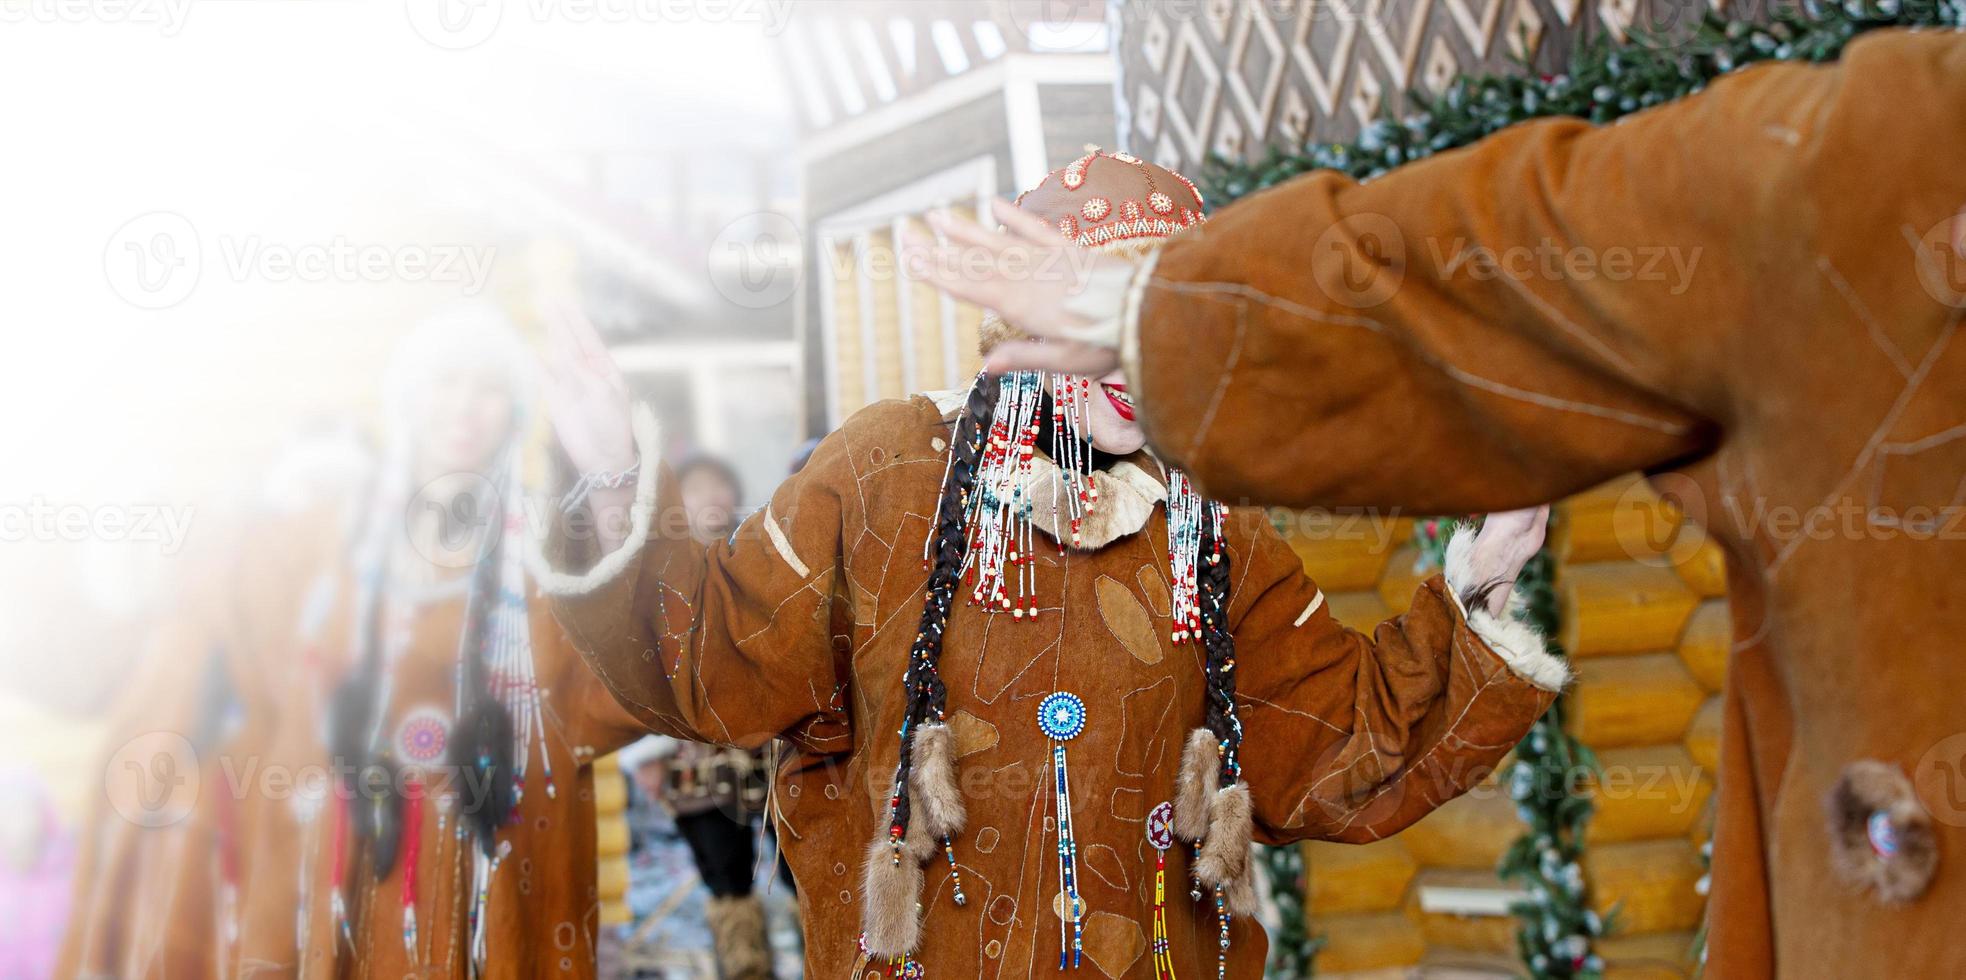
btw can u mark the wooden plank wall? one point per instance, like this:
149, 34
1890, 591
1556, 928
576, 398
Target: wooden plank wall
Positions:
1644, 616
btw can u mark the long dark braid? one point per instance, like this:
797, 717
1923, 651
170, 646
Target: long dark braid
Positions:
922, 684
482, 748
1218, 644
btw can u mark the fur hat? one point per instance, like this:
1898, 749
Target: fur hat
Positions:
1108, 202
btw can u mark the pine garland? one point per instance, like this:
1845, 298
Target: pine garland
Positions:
1558, 927
1293, 950
1606, 81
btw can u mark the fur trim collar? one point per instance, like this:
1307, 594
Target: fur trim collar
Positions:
1127, 496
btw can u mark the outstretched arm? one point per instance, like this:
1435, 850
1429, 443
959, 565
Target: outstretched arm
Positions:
731, 643
1352, 737
1522, 318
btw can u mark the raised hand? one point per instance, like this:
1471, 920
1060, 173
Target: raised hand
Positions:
586, 395
1504, 544
1029, 275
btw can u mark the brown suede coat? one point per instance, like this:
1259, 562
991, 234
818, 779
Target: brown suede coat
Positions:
1802, 392
151, 901
800, 628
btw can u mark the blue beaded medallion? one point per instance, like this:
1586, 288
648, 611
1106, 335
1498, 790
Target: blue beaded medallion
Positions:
1062, 716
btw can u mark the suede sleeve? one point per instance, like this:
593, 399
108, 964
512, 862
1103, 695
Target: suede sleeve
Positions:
1348, 736
734, 643
1560, 303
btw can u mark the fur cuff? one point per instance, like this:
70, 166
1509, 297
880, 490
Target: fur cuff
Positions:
648, 444
1199, 762
890, 910
1516, 642
1231, 826
937, 804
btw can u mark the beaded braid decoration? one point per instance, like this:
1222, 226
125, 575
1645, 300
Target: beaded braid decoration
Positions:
1213, 633
412, 850
945, 556
513, 680
998, 566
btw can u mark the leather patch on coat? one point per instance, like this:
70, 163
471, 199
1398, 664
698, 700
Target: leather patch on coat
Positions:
1126, 617
1881, 838
1114, 943
973, 734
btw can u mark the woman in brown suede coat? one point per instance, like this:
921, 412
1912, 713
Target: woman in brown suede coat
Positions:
1170, 648
345, 825
1798, 391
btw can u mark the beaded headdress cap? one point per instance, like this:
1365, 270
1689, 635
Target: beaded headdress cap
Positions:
1108, 202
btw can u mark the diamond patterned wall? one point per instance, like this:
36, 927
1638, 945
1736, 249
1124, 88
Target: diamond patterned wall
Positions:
1234, 76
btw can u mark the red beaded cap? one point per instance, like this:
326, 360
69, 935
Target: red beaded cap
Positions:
1103, 199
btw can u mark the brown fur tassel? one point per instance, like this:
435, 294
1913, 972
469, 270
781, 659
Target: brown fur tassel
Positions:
1199, 762
890, 901
1870, 787
937, 803
1241, 893
1225, 851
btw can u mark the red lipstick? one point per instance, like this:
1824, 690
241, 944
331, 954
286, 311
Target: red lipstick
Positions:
1116, 395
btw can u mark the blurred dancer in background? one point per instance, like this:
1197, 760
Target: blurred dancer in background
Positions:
395, 767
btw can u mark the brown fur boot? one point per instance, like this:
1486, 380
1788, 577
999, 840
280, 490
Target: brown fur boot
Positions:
737, 928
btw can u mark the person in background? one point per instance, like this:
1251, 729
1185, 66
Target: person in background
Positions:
1015, 659
416, 728
718, 794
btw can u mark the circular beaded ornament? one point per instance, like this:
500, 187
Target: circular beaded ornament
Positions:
423, 736
1062, 716
1160, 826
